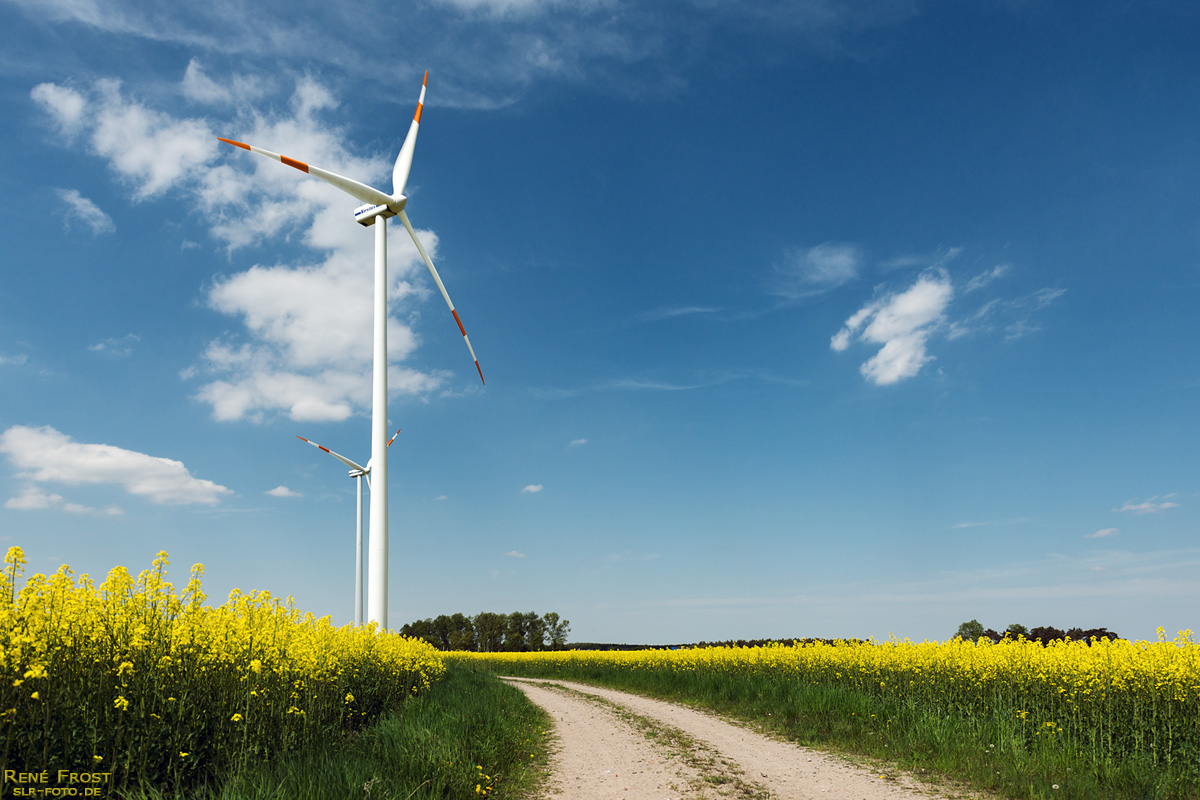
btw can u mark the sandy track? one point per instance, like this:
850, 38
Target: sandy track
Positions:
613, 745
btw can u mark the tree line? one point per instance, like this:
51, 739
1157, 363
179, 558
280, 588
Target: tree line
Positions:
975, 631
492, 633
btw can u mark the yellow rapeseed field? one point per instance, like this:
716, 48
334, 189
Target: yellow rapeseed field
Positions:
1103, 700
140, 684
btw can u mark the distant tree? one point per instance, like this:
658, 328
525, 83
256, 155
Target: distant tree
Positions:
441, 629
1046, 634
462, 632
1016, 630
421, 629
522, 633
970, 630
489, 631
556, 630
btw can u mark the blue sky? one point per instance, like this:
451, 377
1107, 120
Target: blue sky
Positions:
798, 318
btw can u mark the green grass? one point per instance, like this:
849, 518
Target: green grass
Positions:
926, 741
468, 730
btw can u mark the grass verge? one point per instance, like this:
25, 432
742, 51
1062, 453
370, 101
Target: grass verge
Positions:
468, 736
929, 743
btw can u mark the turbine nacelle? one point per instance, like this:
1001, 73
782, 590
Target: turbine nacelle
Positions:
366, 215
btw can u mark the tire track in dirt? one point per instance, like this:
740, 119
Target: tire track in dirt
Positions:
614, 745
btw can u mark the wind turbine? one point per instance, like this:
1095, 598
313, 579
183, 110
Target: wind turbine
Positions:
358, 472
379, 206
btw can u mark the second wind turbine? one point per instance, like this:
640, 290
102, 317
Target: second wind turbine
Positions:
379, 206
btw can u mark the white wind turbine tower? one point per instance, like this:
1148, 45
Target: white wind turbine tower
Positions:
360, 473
379, 206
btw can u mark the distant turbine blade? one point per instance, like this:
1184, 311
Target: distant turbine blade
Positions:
437, 279
351, 187
404, 160
394, 435
340, 458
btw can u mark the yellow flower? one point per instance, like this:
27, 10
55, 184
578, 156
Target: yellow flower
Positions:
236, 718
121, 703
35, 696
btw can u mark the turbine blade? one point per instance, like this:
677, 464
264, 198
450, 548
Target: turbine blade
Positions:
404, 160
437, 279
394, 435
340, 458
360, 191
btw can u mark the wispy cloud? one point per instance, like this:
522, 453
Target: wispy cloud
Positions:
84, 210
491, 53
1105, 574
902, 323
283, 491
990, 523
1104, 533
577, 442
515, 554
45, 455
33, 498
532, 488
116, 346
200, 88
1151, 506
674, 312
806, 272
984, 278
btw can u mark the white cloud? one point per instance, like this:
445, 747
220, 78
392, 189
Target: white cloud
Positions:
64, 105
442, 497
16, 360
812, 271
515, 554
151, 150
283, 491
85, 211
198, 87
1151, 506
107, 511
902, 323
44, 454
578, 442
532, 488
1102, 534
32, 498
306, 350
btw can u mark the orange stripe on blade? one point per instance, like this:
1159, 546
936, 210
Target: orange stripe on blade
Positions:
244, 147
459, 321
291, 162
417, 116
480, 373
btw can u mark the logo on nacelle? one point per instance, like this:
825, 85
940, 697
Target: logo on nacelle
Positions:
366, 215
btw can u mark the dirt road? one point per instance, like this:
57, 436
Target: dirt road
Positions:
612, 745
